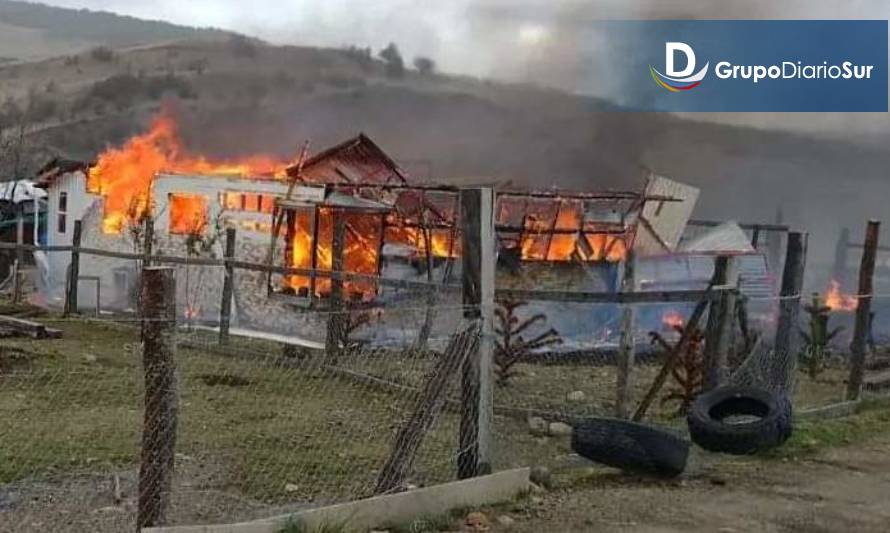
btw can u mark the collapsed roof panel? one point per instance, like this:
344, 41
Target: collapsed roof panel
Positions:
662, 223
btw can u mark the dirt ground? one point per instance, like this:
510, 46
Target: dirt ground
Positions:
837, 489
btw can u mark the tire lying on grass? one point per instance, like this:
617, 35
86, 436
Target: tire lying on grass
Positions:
631, 447
739, 420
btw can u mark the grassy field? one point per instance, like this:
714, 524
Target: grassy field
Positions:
269, 431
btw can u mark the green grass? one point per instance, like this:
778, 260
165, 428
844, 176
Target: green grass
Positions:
294, 526
449, 521
271, 433
810, 437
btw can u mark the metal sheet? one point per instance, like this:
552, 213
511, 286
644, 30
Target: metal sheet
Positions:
662, 223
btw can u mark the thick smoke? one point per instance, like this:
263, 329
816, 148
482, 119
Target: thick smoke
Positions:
566, 50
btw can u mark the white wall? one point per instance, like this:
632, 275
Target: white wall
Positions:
88, 207
79, 201
212, 188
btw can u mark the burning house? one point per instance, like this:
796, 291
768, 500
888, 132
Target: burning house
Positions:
351, 208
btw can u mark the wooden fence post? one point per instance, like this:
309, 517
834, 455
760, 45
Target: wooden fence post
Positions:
148, 235
73, 271
225, 308
626, 355
863, 310
148, 238
19, 253
774, 244
336, 325
784, 360
429, 315
477, 221
158, 297
721, 320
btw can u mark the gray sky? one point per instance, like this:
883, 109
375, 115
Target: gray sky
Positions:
525, 40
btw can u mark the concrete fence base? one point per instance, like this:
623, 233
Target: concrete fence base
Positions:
381, 511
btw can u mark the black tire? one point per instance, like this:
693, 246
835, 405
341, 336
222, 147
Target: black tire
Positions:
631, 447
710, 430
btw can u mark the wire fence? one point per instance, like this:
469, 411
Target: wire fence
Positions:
267, 422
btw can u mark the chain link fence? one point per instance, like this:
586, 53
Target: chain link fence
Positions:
266, 426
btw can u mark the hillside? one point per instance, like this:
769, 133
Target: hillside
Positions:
33, 31
236, 96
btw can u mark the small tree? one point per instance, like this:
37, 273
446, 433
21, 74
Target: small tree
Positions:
511, 346
424, 65
395, 65
200, 242
688, 373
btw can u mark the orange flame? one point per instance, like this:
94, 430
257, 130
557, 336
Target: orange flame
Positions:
360, 251
123, 176
837, 300
441, 244
188, 214
673, 319
538, 246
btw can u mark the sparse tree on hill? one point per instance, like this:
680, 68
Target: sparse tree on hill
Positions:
395, 65
424, 65
362, 56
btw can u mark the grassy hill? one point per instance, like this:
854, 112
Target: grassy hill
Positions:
31, 31
236, 96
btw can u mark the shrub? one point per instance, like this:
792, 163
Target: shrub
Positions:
198, 65
103, 54
124, 90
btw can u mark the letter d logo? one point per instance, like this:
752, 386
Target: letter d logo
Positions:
678, 80
670, 52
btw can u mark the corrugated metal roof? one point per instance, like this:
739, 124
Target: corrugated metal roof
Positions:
694, 271
358, 160
20, 191
725, 238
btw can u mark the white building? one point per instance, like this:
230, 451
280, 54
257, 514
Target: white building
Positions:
179, 203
